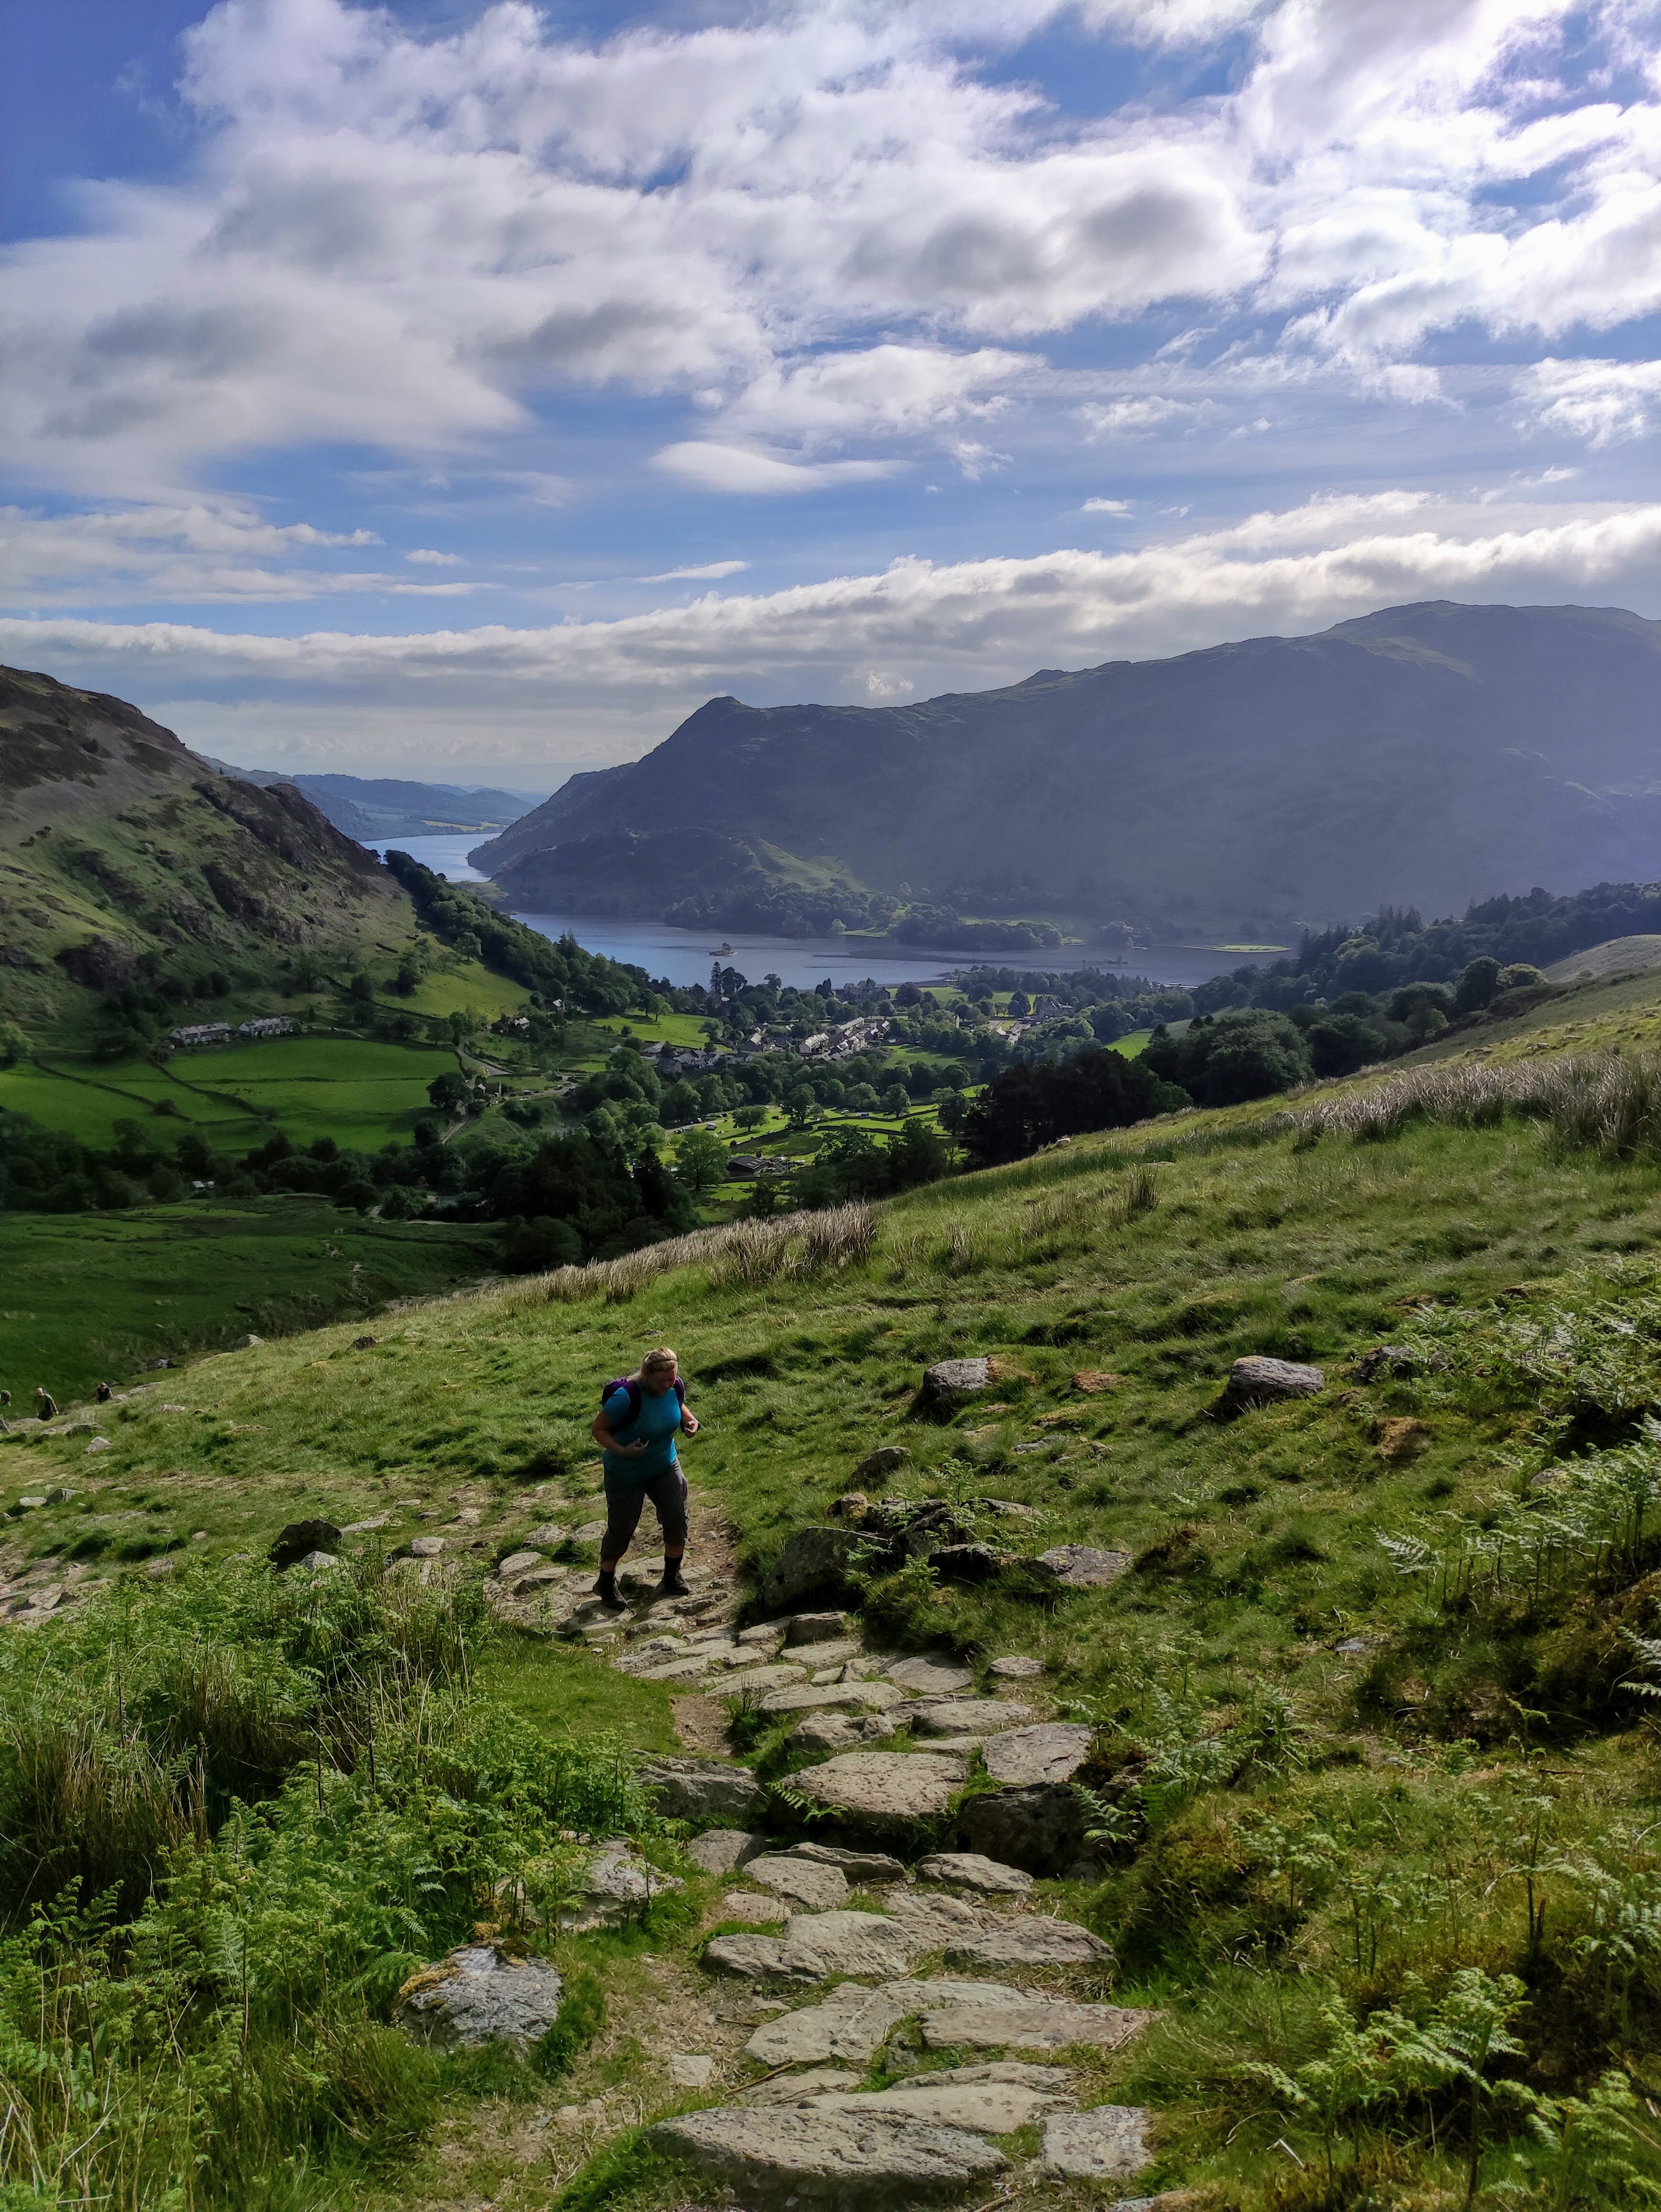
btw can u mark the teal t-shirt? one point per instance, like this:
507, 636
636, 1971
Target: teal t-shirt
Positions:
658, 1423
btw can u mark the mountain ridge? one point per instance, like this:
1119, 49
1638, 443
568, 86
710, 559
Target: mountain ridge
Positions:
1426, 754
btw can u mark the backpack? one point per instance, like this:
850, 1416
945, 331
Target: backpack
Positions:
627, 1382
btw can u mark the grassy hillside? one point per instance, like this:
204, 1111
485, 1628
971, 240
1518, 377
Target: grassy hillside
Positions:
1371, 1780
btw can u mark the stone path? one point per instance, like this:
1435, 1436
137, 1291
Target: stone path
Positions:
835, 1938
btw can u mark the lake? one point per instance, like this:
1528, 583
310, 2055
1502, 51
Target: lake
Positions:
684, 955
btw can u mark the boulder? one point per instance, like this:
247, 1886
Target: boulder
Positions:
1393, 1360
882, 1786
480, 1995
1040, 1828
1081, 1566
298, 1539
704, 1790
1054, 1751
1255, 1381
824, 1698
815, 1628
850, 2024
749, 1958
887, 1459
1015, 1667
757, 1681
848, 2162
820, 1944
950, 1383
970, 1870
821, 1888
930, 1675
755, 1908
969, 1562
814, 1563
828, 1659
425, 1547
1029, 2023
1107, 2143
517, 1563
723, 1851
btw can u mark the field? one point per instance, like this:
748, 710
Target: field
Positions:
362, 1093
1370, 1779
89, 1297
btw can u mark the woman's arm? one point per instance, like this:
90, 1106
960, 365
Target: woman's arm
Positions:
605, 1437
688, 1420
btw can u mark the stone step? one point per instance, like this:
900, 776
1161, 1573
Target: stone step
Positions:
852, 2162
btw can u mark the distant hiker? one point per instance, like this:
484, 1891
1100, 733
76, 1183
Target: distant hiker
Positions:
44, 1404
105, 1393
639, 1418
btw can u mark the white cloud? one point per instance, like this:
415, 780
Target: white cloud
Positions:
412, 242
424, 556
1604, 402
598, 689
1144, 416
1105, 506
710, 569
748, 472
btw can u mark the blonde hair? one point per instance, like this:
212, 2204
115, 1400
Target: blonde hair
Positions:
660, 1356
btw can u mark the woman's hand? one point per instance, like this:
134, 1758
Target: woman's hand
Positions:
689, 1421
633, 1450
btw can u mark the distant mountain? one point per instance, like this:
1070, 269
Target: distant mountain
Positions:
128, 865
375, 809
1429, 754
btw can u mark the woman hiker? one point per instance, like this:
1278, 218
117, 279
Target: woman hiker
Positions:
636, 1427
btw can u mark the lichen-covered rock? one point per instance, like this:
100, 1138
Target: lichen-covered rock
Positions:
931, 1674
819, 1888
850, 2024
883, 1786
618, 1887
301, 1538
815, 1628
723, 1851
814, 1563
1083, 1566
857, 1866
887, 1459
480, 1995
1029, 2023
970, 1870
951, 1382
1041, 1827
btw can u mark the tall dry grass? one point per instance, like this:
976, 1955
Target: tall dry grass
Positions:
1608, 1104
739, 1254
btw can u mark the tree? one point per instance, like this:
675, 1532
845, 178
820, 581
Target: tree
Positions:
954, 1112
918, 1155
801, 1107
680, 1104
749, 1117
13, 1044
861, 1098
896, 1100
1477, 985
448, 1093
1221, 1058
700, 1161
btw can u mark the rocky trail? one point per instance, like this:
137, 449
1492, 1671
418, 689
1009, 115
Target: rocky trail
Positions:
893, 2014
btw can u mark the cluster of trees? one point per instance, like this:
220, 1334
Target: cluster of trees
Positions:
852, 1164
944, 927
784, 909
1028, 1107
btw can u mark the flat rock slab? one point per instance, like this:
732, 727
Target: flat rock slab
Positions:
1081, 1566
1258, 1382
1107, 2143
692, 1669
1014, 1667
1030, 2023
970, 1870
723, 1851
478, 1995
704, 1790
850, 2024
691, 2069
819, 1944
825, 1698
815, 1628
885, 1785
1021, 1939
517, 1563
854, 2162
835, 1731
933, 1674
958, 1716
757, 1908
796, 2089
759, 1681
1054, 1751
858, 1866
989, 2108
821, 1888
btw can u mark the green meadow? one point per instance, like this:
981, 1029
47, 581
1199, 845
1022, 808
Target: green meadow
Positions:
1373, 1784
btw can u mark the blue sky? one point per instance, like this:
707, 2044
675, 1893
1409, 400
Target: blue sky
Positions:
474, 391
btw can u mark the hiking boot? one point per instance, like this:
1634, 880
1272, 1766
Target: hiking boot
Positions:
605, 1589
671, 1585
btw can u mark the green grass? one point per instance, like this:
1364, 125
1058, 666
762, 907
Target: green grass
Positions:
1296, 1829
86, 1298
1131, 1042
362, 1093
